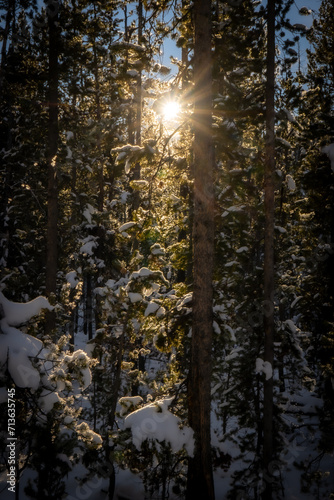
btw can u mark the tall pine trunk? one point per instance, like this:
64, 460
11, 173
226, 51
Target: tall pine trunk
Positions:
269, 284
5, 35
52, 222
138, 124
200, 477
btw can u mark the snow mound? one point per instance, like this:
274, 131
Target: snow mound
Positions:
155, 422
17, 314
20, 347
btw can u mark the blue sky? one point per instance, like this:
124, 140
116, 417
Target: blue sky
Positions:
170, 49
296, 18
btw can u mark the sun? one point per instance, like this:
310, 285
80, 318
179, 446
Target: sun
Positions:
171, 110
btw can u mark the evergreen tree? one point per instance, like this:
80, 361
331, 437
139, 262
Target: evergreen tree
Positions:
269, 286
127, 273
200, 480
51, 158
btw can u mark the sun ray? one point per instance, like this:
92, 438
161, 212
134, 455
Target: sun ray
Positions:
171, 110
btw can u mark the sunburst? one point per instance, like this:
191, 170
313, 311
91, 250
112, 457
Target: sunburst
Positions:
171, 110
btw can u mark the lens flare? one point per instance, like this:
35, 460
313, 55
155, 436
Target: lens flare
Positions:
171, 110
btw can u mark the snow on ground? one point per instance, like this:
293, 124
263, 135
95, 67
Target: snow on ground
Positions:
301, 446
155, 420
129, 486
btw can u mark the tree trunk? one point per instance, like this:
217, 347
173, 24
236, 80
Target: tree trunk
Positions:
100, 252
200, 477
52, 222
6, 181
137, 168
5, 33
100, 197
269, 285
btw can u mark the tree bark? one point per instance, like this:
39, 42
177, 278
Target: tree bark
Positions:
5, 34
200, 477
269, 284
138, 125
52, 222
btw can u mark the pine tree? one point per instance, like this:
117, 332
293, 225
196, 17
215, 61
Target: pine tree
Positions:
269, 286
200, 480
52, 150
129, 278
317, 180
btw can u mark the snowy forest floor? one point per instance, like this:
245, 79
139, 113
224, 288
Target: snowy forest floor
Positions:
301, 443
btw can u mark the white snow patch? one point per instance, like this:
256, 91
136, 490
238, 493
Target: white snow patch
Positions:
161, 312
242, 249
235, 209
88, 212
297, 299
185, 300
151, 308
231, 332
72, 278
88, 435
291, 325
157, 249
291, 183
139, 184
234, 354
17, 346
230, 264
127, 166
289, 115
126, 226
48, 399
285, 143
135, 297
133, 400
216, 327
20, 347
16, 313
129, 401
264, 367
81, 359
88, 246
155, 422
142, 273
124, 197
280, 229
